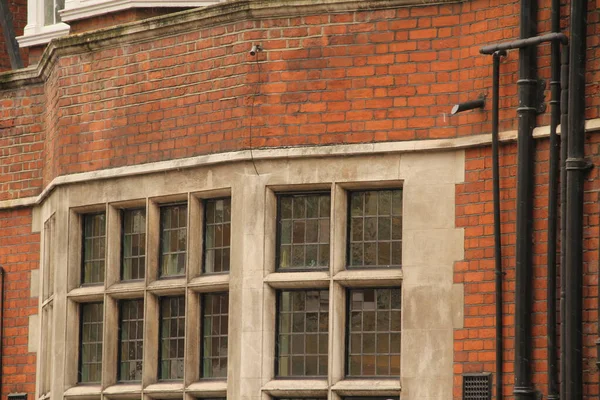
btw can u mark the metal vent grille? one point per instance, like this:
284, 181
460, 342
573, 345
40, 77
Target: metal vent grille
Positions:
477, 387
17, 396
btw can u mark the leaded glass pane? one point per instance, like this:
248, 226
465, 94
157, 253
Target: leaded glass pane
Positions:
375, 235
303, 231
373, 332
131, 340
90, 358
173, 240
172, 338
215, 319
133, 260
302, 331
217, 235
94, 242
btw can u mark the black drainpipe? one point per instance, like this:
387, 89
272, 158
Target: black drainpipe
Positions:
576, 166
527, 84
564, 133
552, 204
497, 228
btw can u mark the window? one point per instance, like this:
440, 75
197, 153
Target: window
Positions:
373, 332
303, 324
217, 230
131, 340
375, 234
94, 242
215, 313
173, 240
90, 349
172, 338
303, 231
51, 9
133, 255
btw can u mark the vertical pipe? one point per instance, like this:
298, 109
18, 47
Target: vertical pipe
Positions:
575, 173
497, 228
564, 133
527, 83
552, 203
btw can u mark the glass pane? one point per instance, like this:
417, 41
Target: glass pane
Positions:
214, 335
375, 234
90, 361
173, 236
93, 257
304, 222
172, 311
133, 244
131, 324
217, 235
302, 332
373, 332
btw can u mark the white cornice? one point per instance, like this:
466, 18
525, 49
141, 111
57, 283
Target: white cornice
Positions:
87, 9
340, 150
44, 35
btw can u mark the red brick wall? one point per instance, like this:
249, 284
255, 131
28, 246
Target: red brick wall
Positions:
19, 254
18, 9
323, 79
475, 344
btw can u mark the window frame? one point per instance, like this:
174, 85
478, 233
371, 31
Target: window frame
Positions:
279, 196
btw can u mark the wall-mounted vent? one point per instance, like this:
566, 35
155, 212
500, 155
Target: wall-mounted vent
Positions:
17, 396
477, 386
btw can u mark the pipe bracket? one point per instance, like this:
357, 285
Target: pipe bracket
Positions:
578, 164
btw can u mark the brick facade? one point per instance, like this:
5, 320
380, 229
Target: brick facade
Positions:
189, 88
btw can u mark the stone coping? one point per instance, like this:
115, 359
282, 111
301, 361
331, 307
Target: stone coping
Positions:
341, 150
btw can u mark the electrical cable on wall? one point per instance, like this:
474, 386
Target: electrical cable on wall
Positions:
253, 52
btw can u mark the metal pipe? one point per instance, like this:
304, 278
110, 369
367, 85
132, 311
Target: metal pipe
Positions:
564, 138
527, 84
552, 204
497, 228
8, 29
576, 166
525, 42
468, 105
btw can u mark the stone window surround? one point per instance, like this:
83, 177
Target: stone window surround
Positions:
362, 172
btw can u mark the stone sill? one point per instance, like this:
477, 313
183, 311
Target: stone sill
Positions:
296, 387
210, 283
377, 387
366, 277
215, 388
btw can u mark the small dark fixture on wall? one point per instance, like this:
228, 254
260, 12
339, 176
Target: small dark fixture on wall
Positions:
468, 105
477, 386
17, 396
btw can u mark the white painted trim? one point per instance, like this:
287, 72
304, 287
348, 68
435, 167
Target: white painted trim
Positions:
339, 150
80, 9
43, 35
